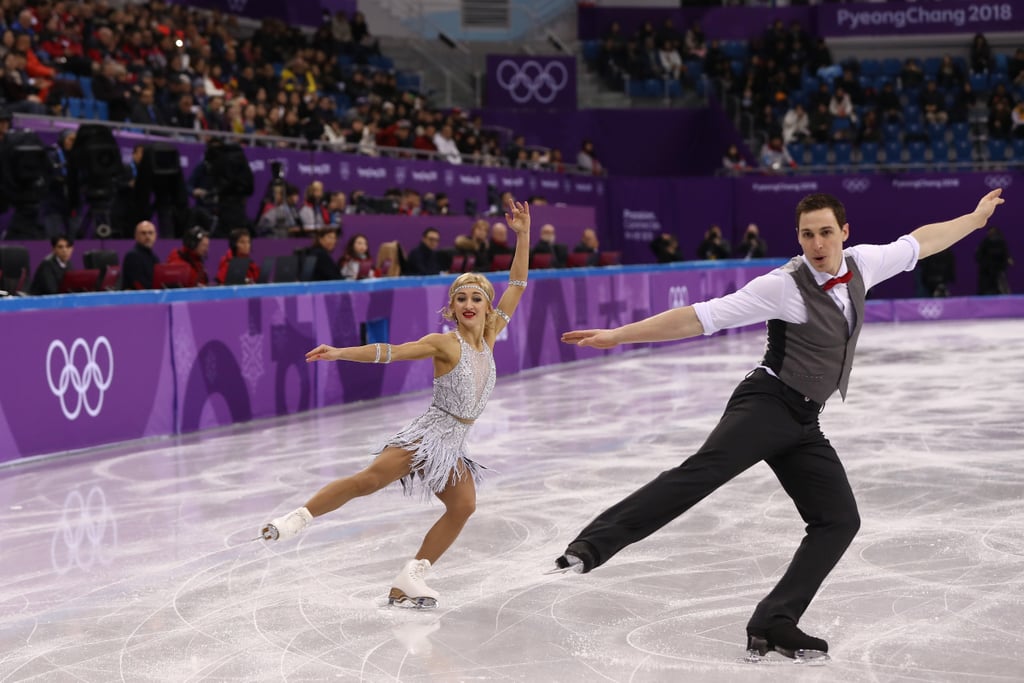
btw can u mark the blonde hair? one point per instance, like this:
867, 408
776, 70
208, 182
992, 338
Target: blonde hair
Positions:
473, 280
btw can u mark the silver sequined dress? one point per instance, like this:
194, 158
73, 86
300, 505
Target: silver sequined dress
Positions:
436, 437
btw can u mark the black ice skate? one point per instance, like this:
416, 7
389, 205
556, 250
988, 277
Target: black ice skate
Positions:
578, 558
789, 641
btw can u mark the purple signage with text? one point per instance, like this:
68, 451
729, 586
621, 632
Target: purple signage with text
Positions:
305, 13
945, 16
531, 82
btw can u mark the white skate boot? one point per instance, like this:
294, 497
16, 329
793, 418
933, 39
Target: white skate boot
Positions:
288, 526
409, 588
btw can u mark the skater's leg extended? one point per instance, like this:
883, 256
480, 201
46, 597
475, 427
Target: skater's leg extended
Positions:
390, 466
459, 499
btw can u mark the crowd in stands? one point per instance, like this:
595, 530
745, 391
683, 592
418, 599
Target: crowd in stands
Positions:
159, 64
807, 109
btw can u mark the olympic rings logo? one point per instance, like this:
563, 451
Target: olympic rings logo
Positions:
994, 181
81, 372
931, 310
678, 296
856, 184
85, 523
532, 80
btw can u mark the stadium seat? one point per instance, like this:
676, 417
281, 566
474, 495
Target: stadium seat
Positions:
578, 260
892, 67
86, 280
540, 261
996, 150
734, 49
654, 88
609, 258
963, 151
931, 66
1018, 149
911, 113
501, 262
841, 124
819, 154
74, 107
936, 131
796, 150
101, 110
110, 280
870, 68
171, 275
869, 153
979, 83
843, 152
891, 131
940, 151
893, 152
591, 50
961, 131
1002, 63
286, 269
916, 153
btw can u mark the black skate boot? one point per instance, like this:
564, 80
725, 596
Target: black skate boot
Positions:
578, 558
788, 641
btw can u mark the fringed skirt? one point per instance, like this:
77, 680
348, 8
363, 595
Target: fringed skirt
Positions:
438, 444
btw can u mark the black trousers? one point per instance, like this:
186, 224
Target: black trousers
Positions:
764, 420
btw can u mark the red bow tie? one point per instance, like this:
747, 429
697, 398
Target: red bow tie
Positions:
841, 280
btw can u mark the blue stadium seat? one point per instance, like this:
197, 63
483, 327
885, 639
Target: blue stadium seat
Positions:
916, 152
963, 151
591, 50
893, 152
961, 131
869, 152
881, 80
738, 66
997, 78
979, 83
936, 131
675, 88
74, 106
913, 129
819, 154
940, 151
931, 66
1002, 63
810, 84
911, 113
86, 84
996, 150
654, 87
101, 110
892, 67
870, 67
88, 109
734, 49
891, 131
635, 88
694, 68
796, 150
961, 62
843, 152
841, 125
1018, 149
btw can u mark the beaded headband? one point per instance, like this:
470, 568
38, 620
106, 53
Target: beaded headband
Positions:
477, 287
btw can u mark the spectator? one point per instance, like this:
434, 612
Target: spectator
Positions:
713, 247
239, 246
733, 162
993, 257
820, 123
280, 216
841, 107
775, 156
50, 272
949, 76
933, 104
547, 244
111, 86
476, 245
795, 125
137, 267
194, 247
58, 208
499, 241
1017, 118
145, 111
337, 208
324, 266
666, 248
912, 75
589, 245
751, 246
357, 252
981, 55
586, 159
314, 215
424, 259
870, 129
671, 62
1000, 122
935, 274
446, 147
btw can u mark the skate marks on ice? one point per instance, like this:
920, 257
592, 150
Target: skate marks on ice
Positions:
135, 562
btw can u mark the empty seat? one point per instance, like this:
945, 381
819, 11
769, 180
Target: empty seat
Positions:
172, 276
843, 152
916, 150
540, 261
609, 258
501, 262
996, 150
869, 152
578, 260
819, 154
963, 151
86, 280
893, 152
940, 151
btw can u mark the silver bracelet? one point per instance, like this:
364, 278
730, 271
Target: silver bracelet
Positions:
376, 359
388, 360
517, 283
503, 315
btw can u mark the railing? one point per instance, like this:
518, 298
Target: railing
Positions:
150, 133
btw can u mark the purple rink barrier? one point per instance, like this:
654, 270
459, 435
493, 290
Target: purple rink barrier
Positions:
85, 370
78, 378
532, 82
296, 13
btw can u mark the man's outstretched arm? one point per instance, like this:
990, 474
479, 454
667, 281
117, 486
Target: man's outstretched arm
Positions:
676, 323
935, 237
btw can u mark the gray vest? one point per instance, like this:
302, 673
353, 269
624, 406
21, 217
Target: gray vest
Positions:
815, 357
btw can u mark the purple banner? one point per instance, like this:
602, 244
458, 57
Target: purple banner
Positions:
78, 378
718, 23
940, 16
531, 82
295, 13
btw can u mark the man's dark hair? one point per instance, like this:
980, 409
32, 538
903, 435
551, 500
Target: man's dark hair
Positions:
818, 201
430, 230
235, 235
57, 239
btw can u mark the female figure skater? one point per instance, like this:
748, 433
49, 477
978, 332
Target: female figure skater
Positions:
430, 451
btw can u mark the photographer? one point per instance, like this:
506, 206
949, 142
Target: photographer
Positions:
280, 214
752, 246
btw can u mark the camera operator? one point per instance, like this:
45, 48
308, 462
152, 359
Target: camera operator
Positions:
752, 246
58, 212
202, 187
280, 214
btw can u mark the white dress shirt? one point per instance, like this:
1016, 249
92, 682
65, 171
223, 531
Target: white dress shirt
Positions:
775, 296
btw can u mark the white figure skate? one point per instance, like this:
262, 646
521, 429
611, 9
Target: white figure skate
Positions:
288, 526
409, 588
